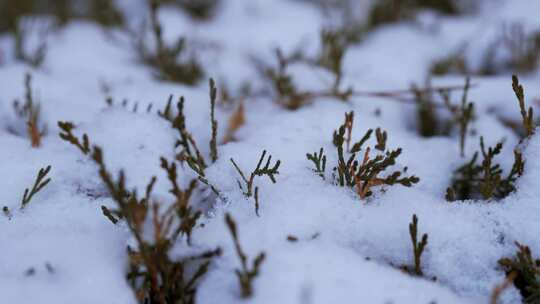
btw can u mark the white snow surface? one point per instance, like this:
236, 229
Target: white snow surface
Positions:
358, 241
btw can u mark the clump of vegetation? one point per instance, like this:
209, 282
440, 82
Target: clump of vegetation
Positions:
10, 13
197, 9
463, 115
485, 180
526, 271
105, 13
362, 175
513, 50
23, 18
418, 248
29, 111
282, 85
334, 44
190, 152
247, 186
153, 275
524, 48
246, 275
390, 11
39, 184
453, 63
170, 61
430, 120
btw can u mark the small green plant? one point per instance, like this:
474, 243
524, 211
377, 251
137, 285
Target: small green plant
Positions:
319, 161
190, 150
66, 134
462, 115
526, 270
418, 248
247, 185
153, 275
427, 116
431, 122
486, 179
187, 215
365, 174
334, 44
214, 123
39, 184
245, 275
283, 87
170, 62
30, 111
526, 115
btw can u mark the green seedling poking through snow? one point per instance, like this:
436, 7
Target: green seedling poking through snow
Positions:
66, 134
245, 275
213, 140
287, 94
432, 124
319, 161
364, 175
418, 247
334, 44
170, 62
185, 212
190, 151
464, 116
526, 271
486, 179
153, 275
526, 115
40, 183
249, 189
30, 112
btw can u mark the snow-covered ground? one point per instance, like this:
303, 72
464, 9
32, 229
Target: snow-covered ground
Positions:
358, 241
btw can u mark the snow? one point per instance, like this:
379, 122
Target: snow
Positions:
357, 242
